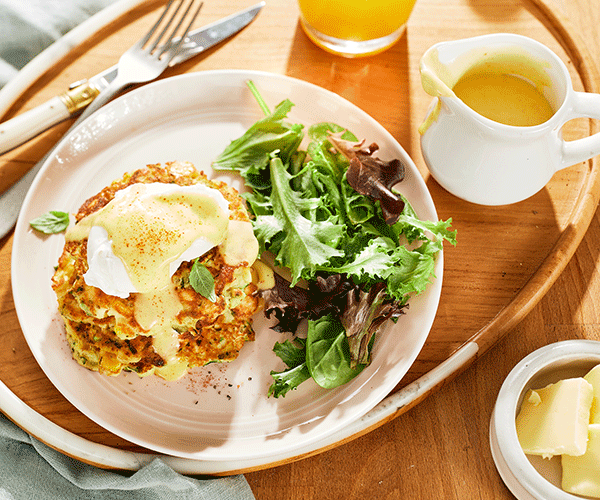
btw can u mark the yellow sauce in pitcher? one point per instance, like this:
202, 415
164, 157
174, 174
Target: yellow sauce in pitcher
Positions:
503, 97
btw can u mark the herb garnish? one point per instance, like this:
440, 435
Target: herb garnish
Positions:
51, 223
202, 281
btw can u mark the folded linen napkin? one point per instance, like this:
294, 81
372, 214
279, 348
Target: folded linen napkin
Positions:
28, 468
27, 27
31, 470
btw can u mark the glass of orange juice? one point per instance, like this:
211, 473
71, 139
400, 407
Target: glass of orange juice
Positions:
355, 28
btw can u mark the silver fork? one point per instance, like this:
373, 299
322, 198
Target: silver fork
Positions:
146, 60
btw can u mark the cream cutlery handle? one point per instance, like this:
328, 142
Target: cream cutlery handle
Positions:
21, 128
25, 126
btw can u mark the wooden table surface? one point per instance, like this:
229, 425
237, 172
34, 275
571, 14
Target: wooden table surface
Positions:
439, 448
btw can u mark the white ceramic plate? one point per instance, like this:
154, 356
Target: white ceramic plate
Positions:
217, 413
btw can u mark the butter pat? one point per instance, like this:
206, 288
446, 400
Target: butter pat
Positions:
593, 377
581, 475
554, 420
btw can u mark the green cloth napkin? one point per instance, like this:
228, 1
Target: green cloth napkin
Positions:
30, 470
27, 27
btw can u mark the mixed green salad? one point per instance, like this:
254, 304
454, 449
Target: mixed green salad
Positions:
355, 249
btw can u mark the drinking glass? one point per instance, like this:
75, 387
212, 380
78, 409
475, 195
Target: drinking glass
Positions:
355, 28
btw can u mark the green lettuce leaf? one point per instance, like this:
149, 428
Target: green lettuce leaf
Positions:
328, 353
305, 242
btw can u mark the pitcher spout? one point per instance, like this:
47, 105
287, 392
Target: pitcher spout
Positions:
443, 64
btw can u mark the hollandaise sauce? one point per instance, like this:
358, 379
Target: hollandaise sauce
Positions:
504, 98
145, 233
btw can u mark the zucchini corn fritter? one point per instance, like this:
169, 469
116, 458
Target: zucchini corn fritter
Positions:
102, 330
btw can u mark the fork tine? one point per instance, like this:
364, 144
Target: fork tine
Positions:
173, 48
152, 30
169, 22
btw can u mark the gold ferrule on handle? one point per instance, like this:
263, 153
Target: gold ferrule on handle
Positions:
79, 97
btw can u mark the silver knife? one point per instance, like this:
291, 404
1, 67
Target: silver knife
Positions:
82, 94
25, 126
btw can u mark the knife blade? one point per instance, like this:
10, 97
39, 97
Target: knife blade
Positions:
26, 126
197, 41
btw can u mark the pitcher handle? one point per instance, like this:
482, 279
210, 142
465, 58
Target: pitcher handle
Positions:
586, 105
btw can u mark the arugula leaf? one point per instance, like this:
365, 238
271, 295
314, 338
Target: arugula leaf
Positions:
51, 223
251, 153
202, 281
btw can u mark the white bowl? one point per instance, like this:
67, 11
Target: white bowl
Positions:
531, 477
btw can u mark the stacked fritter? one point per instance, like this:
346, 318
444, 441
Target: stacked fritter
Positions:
102, 330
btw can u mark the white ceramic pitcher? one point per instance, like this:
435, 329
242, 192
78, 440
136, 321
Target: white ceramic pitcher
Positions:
487, 162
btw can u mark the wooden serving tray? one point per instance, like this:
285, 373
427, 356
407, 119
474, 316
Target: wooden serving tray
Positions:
506, 258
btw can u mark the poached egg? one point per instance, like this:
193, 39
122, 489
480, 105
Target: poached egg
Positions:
140, 238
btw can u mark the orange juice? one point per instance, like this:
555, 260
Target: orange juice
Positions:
357, 26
